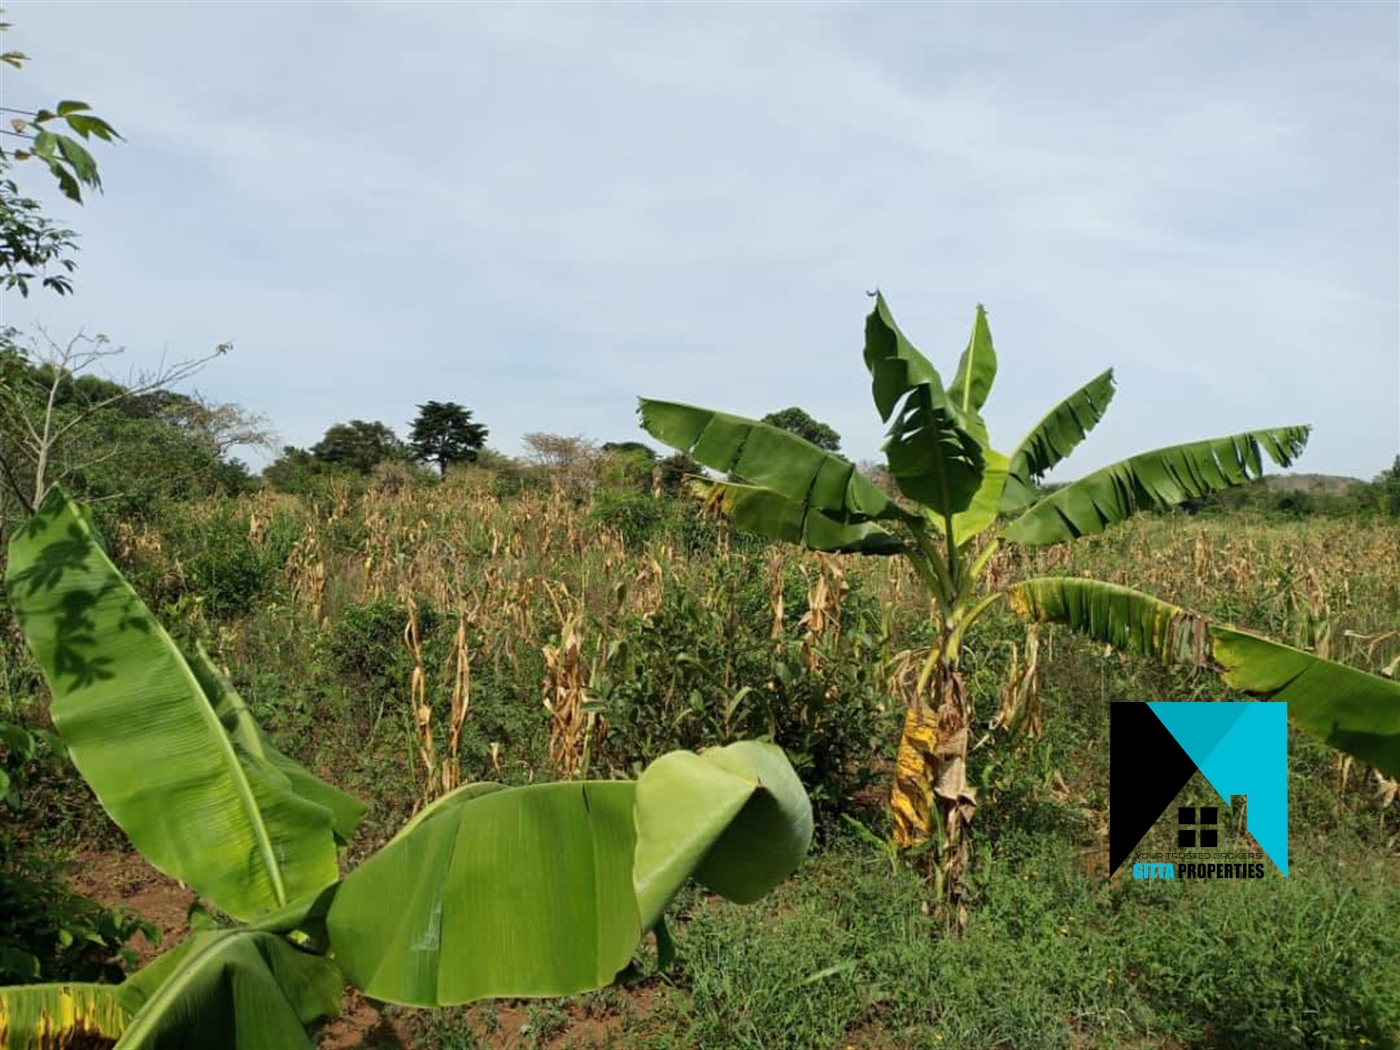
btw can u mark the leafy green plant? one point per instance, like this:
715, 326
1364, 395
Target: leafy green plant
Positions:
941, 457
48, 932
490, 891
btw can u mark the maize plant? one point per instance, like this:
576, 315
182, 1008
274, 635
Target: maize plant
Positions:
489, 891
963, 501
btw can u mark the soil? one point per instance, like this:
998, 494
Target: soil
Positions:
361, 1026
124, 879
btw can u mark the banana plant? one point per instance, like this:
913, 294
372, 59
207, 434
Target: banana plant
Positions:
542, 890
963, 501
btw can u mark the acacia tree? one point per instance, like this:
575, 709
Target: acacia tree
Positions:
958, 486
796, 421
444, 434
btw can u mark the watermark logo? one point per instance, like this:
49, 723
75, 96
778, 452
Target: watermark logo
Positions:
1240, 748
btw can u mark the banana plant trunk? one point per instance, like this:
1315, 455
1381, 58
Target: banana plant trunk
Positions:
931, 798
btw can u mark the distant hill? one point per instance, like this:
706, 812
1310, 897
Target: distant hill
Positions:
1316, 484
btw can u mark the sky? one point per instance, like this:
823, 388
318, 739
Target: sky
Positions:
543, 211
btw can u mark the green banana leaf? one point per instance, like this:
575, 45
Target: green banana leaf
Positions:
1344, 707
230, 990
986, 503
530, 891
1160, 478
935, 448
51, 1016
519, 892
1055, 437
769, 457
243, 729
195, 801
735, 818
766, 513
977, 368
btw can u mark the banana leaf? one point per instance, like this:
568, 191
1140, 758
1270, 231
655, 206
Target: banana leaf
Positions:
935, 447
199, 804
769, 457
1161, 478
1054, 438
766, 513
986, 503
1344, 707
735, 818
243, 729
230, 990
977, 368
56, 1016
530, 891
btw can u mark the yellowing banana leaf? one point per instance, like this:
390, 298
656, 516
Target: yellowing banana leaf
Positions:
935, 447
57, 1016
766, 513
1344, 707
977, 368
197, 803
517, 892
1055, 437
735, 818
769, 457
230, 990
1160, 478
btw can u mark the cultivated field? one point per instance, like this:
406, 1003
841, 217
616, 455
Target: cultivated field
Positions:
397, 640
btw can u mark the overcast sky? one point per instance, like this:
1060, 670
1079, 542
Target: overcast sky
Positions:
544, 211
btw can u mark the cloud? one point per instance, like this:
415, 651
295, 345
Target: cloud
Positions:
542, 211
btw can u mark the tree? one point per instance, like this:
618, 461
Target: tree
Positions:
358, 446
676, 470
795, 421
1386, 487
941, 457
294, 470
32, 246
562, 880
59, 421
444, 434
629, 448
569, 460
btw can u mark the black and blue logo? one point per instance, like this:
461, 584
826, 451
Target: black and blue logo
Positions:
1154, 748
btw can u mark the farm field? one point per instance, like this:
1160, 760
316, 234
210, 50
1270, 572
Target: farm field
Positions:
515, 644
659, 628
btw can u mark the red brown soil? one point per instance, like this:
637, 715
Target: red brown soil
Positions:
124, 879
361, 1026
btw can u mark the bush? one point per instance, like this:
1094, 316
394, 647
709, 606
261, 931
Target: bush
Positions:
634, 516
366, 647
703, 671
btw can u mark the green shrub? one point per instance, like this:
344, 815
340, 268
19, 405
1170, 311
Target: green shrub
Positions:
366, 647
702, 670
635, 516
